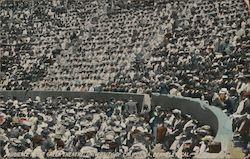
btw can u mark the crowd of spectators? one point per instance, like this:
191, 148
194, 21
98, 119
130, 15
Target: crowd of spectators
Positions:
133, 46
193, 48
58, 126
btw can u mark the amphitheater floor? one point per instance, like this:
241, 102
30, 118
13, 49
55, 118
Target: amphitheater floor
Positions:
236, 152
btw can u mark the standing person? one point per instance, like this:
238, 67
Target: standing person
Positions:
153, 123
131, 107
161, 132
163, 88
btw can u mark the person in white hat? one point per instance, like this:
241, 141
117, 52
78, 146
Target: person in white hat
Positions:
223, 101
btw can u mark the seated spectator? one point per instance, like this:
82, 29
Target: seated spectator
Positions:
223, 101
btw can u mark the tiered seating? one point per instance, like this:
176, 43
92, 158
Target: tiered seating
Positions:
116, 43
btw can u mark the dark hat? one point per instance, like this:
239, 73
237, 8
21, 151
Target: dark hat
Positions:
247, 76
47, 144
60, 143
38, 139
45, 132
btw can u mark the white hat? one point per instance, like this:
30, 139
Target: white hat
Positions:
110, 137
43, 125
105, 146
178, 137
206, 127
123, 125
71, 111
188, 141
176, 111
158, 107
196, 78
208, 138
132, 118
78, 133
141, 129
117, 129
224, 76
91, 129
26, 123
117, 123
84, 123
48, 119
223, 90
